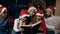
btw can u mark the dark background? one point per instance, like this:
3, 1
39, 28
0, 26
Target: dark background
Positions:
14, 7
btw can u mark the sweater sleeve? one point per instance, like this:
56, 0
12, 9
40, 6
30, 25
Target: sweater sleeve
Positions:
15, 25
44, 27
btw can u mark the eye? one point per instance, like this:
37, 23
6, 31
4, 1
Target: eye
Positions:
5, 12
38, 16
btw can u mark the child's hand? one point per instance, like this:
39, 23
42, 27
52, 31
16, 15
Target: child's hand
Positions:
40, 29
21, 29
57, 27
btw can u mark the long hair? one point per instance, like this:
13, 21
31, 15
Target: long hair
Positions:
33, 18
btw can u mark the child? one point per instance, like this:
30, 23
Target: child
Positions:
32, 12
4, 22
21, 22
52, 22
42, 27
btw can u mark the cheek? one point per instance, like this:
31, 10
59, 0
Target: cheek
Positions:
48, 13
2, 15
31, 13
23, 18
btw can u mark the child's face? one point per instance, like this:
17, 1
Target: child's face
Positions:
4, 14
24, 18
48, 13
32, 12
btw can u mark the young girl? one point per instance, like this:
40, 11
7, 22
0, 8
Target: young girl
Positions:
32, 12
20, 23
42, 27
